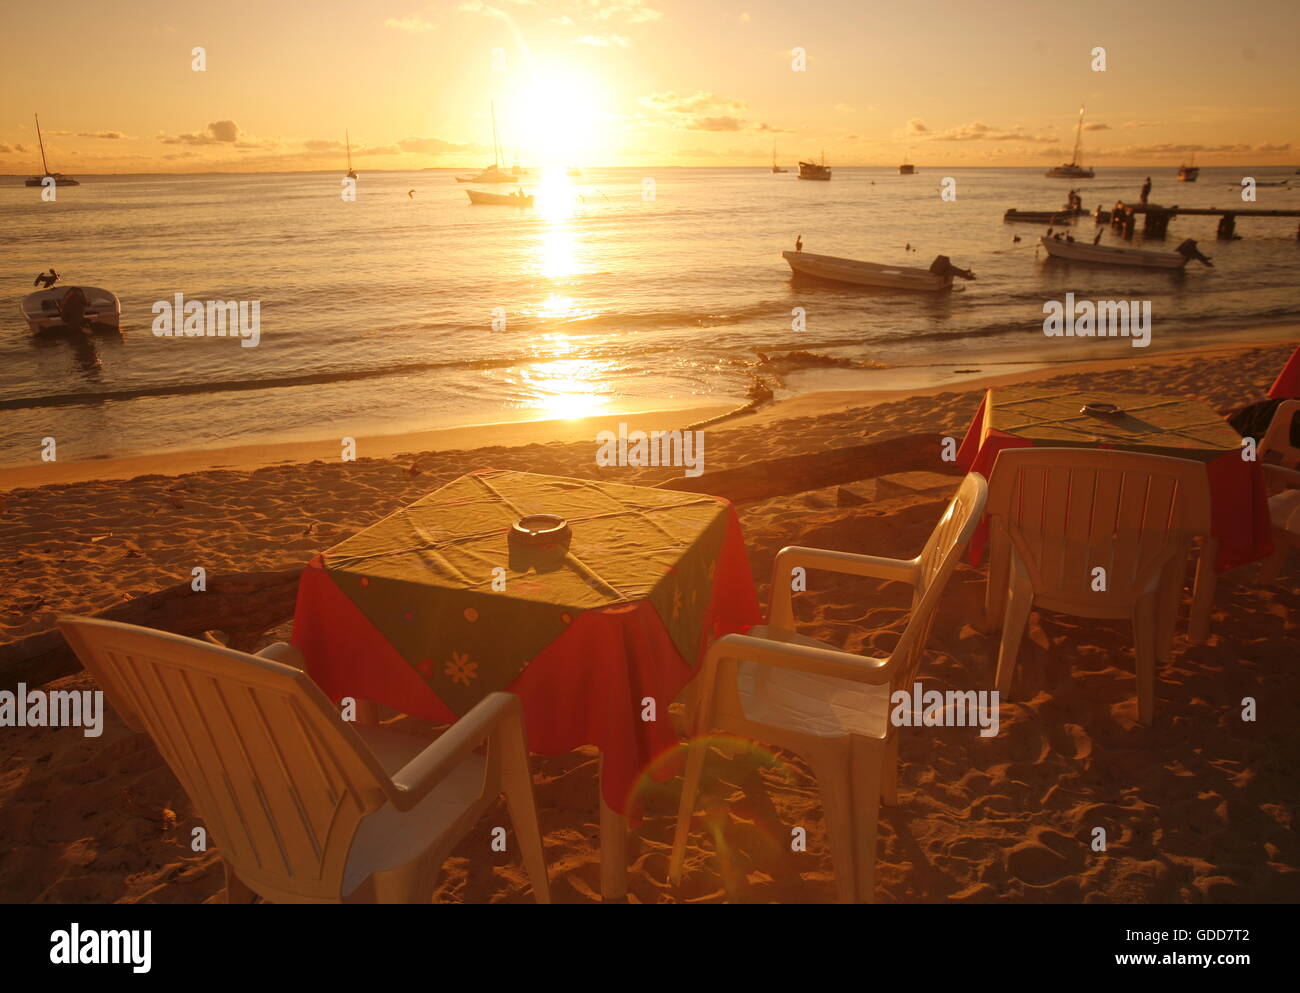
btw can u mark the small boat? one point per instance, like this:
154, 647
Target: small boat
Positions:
1072, 169
1038, 216
907, 169
493, 173
857, 273
58, 177
775, 167
1082, 251
1188, 173
811, 170
41, 309
352, 173
501, 199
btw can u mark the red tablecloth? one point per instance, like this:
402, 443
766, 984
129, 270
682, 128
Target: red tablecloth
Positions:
1239, 518
584, 688
1287, 384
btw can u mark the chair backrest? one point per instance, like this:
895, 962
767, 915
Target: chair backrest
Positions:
935, 566
1277, 439
1069, 511
280, 780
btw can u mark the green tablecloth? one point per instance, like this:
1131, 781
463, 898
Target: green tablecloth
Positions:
424, 576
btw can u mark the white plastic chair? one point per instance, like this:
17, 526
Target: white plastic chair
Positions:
1056, 514
829, 706
1275, 446
1284, 513
305, 807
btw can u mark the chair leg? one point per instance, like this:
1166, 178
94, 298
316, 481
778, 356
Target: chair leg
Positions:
889, 775
1272, 566
1144, 648
1171, 586
695, 755
517, 784
237, 891
1198, 624
833, 782
866, 760
613, 847
1020, 598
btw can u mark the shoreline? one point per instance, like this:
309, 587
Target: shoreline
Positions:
514, 434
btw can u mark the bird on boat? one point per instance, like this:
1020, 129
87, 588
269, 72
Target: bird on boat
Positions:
45, 281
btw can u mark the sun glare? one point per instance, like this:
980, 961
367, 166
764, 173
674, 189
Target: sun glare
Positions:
558, 117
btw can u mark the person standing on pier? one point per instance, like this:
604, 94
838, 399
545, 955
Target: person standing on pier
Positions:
1146, 189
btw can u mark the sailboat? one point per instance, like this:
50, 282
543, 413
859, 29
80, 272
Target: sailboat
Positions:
1188, 173
58, 177
493, 173
352, 173
1072, 169
811, 170
775, 167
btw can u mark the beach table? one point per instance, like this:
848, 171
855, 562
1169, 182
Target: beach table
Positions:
436, 606
1287, 384
1039, 415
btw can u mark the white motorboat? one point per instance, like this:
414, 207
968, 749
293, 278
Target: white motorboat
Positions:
868, 273
501, 199
41, 309
1082, 251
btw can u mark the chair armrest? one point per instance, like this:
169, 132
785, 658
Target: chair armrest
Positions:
1281, 474
781, 613
420, 775
284, 652
802, 658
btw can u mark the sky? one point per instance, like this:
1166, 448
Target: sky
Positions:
593, 83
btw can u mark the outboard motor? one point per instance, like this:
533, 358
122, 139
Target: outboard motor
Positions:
942, 266
1188, 250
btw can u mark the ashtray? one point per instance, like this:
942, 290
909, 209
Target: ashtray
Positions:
1101, 409
540, 529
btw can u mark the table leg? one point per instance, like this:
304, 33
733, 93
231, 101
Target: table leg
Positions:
613, 848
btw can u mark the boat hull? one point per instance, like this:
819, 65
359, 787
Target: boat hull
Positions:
907, 170
58, 180
40, 309
1135, 258
499, 199
855, 273
1038, 216
1069, 172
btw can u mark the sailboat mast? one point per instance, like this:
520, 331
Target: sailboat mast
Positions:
42, 143
496, 155
1078, 137
348, 138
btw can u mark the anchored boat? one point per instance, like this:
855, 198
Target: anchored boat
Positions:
1072, 169
501, 199
1038, 216
51, 309
1082, 251
858, 273
811, 170
58, 177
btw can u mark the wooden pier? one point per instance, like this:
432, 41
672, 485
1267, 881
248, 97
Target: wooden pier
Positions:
1155, 222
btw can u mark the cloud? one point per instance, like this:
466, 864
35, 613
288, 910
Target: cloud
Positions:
723, 123
435, 146
1134, 125
979, 131
114, 135
411, 24
699, 102
478, 7
8, 149
1096, 126
1173, 149
322, 145
917, 126
216, 133
631, 11
603, 41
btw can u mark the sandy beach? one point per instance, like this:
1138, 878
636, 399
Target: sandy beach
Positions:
1197, 808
